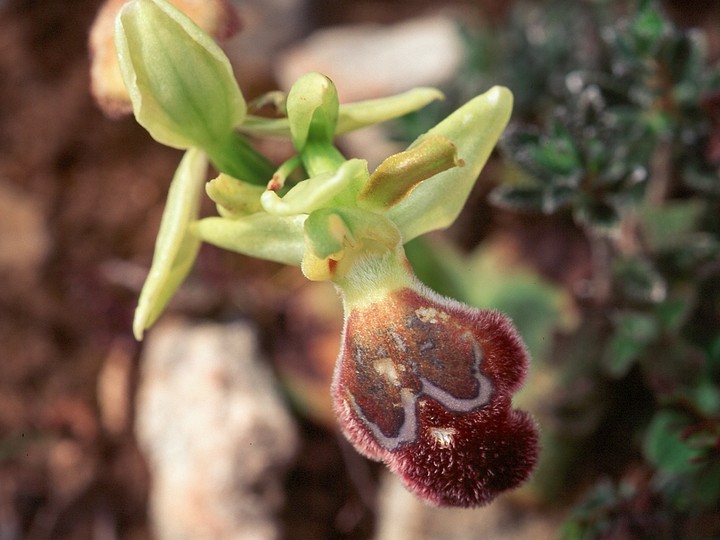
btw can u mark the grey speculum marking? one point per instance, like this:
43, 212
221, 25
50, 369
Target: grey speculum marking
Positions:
408, 429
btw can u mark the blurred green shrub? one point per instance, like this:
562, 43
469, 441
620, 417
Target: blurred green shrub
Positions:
616, 128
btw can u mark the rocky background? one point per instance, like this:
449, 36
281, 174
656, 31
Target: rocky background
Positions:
218, 425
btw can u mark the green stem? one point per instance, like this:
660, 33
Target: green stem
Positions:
236, 157
321, 157
372, 275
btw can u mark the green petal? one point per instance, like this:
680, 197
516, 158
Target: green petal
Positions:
264, 236
233, 197
175, 247
373, 111
474, 129
319, 191
180, 82
352, 116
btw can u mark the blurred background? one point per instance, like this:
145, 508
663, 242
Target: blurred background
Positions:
596, 226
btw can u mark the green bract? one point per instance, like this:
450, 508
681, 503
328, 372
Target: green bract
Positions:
318, 210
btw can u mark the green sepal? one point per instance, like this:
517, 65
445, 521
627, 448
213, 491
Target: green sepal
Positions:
398, 175
274, 238
175, 247
474, 129
181, 84
233, 197
339, 188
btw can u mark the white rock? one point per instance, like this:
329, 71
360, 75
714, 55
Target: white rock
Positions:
369, 61
267, 27
402, 515
215, 433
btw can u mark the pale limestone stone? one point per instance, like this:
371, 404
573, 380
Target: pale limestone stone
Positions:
402, 515
370, 61
216, 435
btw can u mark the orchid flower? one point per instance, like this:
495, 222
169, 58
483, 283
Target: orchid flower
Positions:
422, 382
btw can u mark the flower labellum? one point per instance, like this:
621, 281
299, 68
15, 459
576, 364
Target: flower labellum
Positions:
424, 383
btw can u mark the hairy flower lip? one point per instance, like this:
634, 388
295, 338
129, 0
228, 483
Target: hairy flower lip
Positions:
491, 450
424, 384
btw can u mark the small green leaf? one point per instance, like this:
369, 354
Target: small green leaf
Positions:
669, 225
175, 247
637, 278
181, 84
274, 238
648, 27
665, 447
474, 129
633, 333
557, 152
706, 396
673, 313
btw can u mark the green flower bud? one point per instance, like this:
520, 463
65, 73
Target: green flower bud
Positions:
181, 84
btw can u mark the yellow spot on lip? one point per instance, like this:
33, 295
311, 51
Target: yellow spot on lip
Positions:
431, 315
443, 436
385, 367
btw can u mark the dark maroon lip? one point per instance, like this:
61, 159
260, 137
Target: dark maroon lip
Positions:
424, 384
